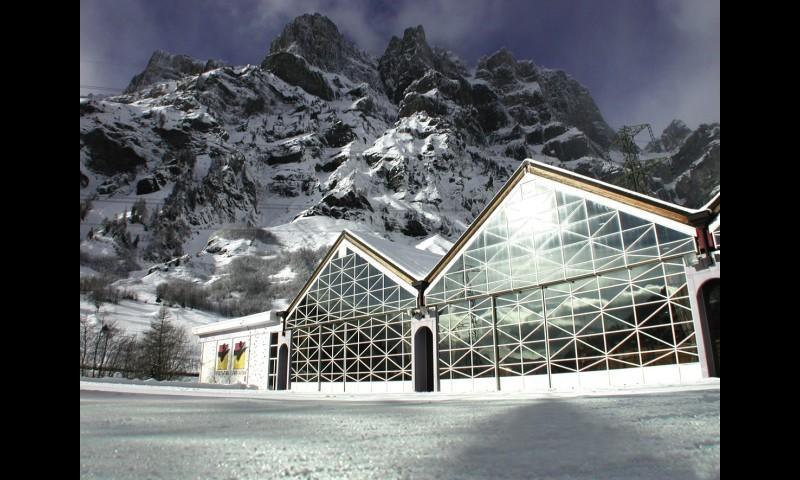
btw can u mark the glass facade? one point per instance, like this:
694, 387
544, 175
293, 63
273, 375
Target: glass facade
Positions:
556, 283
541, 235
351, 326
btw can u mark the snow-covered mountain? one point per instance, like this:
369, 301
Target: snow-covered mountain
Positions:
320, 136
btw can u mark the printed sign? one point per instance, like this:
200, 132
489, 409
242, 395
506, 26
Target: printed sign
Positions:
223, 356
239, 356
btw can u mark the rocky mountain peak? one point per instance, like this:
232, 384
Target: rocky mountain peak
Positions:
671, 138
405, 61
317, 39
164, 66
675, 133
414, 36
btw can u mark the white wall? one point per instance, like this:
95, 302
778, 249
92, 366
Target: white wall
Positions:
256, 365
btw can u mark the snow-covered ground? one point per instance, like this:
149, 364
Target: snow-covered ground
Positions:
175, 432
135, 317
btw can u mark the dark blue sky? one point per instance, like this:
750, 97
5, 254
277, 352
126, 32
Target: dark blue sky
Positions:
642, 61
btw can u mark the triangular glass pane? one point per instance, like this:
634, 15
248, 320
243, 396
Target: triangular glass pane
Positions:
605, 224
629, 221
621, 319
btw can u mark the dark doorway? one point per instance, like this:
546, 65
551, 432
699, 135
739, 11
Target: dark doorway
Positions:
710, 293
282, 357
423, 360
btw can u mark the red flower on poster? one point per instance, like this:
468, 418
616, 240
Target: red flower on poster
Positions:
223, 350
239, 349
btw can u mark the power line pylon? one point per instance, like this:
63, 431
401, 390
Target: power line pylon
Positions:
634, 177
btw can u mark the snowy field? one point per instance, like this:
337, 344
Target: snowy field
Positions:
171, 432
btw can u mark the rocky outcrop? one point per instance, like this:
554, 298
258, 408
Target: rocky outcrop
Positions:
164, 66
292, 184
410, 58
349, 206
671, 138
405, 61
147, 185
338, 135
697, 145
295, 71
533, 95
571, 147
109, 154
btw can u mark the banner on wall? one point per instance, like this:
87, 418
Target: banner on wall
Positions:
239, 356
223, 356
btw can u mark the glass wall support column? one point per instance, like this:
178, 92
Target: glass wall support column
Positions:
546, 338
494, 342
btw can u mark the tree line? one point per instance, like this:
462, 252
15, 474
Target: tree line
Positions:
163, 352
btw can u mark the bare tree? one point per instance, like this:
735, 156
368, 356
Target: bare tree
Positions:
88, 334
121, 353
103, 345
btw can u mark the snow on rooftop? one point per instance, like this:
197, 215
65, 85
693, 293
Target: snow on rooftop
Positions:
241, 323
435, 244
417, 263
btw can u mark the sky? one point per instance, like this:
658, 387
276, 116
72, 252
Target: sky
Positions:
642, 61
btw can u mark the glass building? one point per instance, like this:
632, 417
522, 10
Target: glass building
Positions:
350, 327
562, 282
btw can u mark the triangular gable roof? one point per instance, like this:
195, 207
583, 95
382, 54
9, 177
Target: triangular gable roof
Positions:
412, 260
410, 266
652, 205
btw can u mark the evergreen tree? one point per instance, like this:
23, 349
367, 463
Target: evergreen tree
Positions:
166, 351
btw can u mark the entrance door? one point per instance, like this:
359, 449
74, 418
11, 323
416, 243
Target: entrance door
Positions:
282, 358
710, 292
423, 360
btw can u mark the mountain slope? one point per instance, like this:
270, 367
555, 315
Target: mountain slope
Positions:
320, 137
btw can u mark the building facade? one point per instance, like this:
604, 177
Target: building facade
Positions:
561, 283
240, 351
564, 287
350, 327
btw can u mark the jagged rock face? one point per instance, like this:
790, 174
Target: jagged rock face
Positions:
671, 138
696, 166
675, 133
503, 71
304, 134
702, 178
164, 66
696, 146
295, 71
316, 38
405, 61
571, 103
410, 59
536, 96
108, 153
